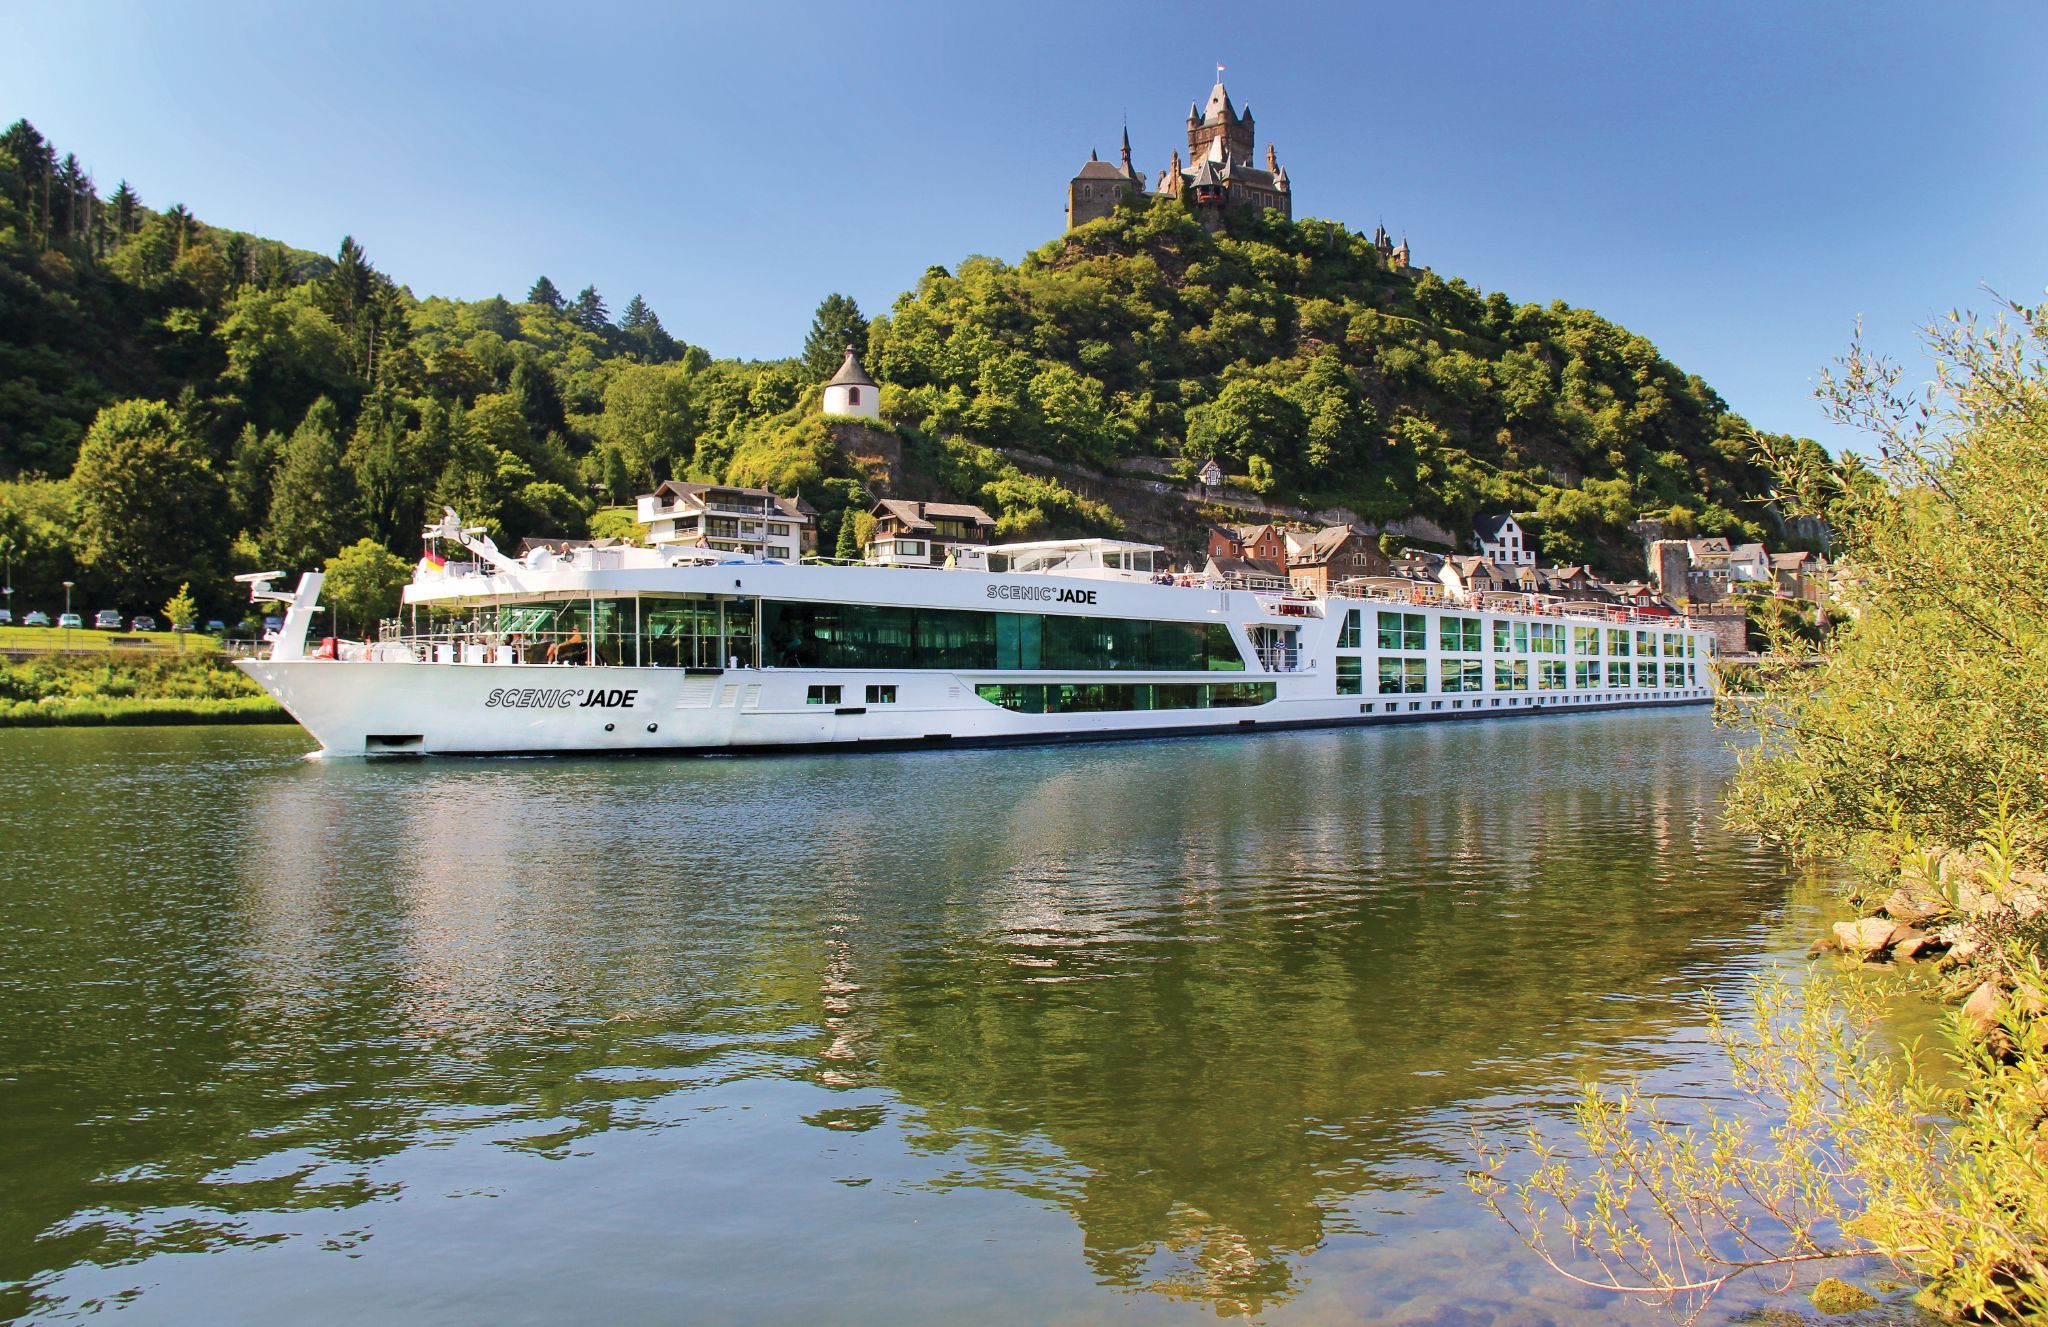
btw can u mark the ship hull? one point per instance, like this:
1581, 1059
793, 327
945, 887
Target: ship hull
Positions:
361, 708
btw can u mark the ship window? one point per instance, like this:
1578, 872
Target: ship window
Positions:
1674, 675
1500, 636
800, 635
822, 695
1403, 631
882, 695
1550, 675
1398, 676
1351, 635
1646, 675
1350, 674
1586, 673
1617, 674
1113, 697
1585, 640
1459, 634
1672, 648
1617, 642
1510, 676
1462, 674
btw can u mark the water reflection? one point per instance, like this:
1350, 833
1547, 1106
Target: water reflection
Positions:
1226, 1004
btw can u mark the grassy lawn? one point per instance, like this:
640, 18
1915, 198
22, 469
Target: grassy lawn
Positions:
51, 638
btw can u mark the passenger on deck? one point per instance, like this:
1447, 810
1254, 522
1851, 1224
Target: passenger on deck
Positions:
573, 648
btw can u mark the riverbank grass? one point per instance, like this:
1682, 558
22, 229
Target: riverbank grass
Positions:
120, 687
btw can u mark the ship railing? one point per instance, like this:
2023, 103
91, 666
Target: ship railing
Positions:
484, 645
1280, 658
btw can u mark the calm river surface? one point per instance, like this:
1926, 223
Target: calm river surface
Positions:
1136, 1032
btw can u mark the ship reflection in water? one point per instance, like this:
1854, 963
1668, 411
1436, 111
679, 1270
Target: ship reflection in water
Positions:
1142, 1030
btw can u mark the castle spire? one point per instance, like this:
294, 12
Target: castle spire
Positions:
1127, 149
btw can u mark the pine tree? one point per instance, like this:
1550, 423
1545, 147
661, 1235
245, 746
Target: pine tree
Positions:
540, 402
181, 226
127, 210
849, 538
636, 315
313, 499
838, 324
545, 295
589, 310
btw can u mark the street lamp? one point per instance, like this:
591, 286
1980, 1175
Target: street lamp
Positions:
67, 614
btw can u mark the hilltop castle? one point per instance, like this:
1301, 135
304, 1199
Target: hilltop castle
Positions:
1217, 177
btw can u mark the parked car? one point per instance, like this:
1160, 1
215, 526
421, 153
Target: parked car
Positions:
271, 626
216, 627
6, 617
106, 620
142, 622
37, 618
70, 620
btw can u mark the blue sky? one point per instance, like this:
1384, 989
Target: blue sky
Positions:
1737, 182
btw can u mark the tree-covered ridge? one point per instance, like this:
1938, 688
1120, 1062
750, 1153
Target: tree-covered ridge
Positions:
311, 402
1292, 353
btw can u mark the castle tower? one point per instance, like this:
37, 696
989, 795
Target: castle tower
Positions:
1095, 192
1220, 120
852, 391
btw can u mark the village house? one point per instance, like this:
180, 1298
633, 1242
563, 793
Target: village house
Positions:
1800, 575
1501, 541
728, 518
1578, 584
1245, 573
1466, 579
1318, 561
1259, 543
923, 534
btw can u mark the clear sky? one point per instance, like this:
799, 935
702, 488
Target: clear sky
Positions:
1738, 182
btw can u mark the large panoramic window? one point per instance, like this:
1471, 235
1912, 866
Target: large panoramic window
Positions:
1646, 643
1617, 674
1350, 675
1398, 676
801, 635
1351, 635
1121, 697
1674, 675
1646, 675
1586, 673
1462, 674
1673, 645
1500, 636
1585, 640
1403, 631
1459, 635
1617, 642
1546, 638
1550, 675
1510, 676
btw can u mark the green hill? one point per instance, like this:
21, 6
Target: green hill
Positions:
301, 403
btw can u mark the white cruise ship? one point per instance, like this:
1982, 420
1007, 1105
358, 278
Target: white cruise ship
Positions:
668, 649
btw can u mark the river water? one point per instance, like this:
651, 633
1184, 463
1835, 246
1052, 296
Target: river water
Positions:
1136, 1032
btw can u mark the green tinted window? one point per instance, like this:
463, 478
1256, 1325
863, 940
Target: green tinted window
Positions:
1351, 635
1350, 675
803, 635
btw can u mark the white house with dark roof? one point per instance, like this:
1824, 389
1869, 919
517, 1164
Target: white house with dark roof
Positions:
923, 534
728, 518
1502, 542
852, 392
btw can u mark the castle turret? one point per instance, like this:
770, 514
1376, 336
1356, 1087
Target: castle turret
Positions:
852, 392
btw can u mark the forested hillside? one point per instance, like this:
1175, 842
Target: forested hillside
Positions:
180, 401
